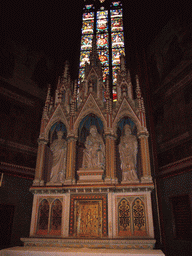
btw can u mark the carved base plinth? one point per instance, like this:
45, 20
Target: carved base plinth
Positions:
129, 177
91, 243
146, 179
90, 175
53, 184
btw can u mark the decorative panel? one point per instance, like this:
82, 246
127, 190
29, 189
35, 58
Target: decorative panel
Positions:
43, 218
124, 218
55, 223
88, 217
139, 216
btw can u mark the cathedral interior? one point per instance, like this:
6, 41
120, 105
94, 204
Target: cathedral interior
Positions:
96, 118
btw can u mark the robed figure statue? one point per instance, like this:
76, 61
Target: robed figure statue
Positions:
128, 148
94, 152
59, 149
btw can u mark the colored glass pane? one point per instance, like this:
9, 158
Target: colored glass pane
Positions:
81, 74
116, 24
102, 25
116, 53
88, 16
102, 17
116, 13
84, 57
88, 6
105, 73
102, 14
115, 70
117, 40
116, 3
87, 27
102, 41
104, 57
86, 42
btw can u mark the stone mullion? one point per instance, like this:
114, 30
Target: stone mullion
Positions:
71, 157
110, 159
146, 176
107, 158
38, 181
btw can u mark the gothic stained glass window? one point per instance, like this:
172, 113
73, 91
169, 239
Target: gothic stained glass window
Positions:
56, 212
102, 32
43, 218
109, 39
86, 38
117, 40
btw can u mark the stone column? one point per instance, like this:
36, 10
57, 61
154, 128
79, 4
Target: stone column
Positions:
145, 160
71, 161
110, 160
38, 181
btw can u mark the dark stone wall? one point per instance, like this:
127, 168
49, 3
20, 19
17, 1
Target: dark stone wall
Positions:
15, 195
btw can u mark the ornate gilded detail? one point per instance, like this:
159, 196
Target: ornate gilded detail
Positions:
88, 217
124, 218
139, 225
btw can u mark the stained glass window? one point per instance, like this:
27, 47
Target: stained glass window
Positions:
102, 37
86, 39
117, 41
109, 39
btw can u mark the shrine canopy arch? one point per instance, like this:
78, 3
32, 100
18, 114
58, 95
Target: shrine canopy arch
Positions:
58, 117
86, 123
93, 115
58, 126
122, 122
132, 120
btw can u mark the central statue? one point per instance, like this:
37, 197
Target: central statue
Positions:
94, 152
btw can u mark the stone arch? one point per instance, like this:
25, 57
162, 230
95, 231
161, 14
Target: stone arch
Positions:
132, 117
58, 116
94, 110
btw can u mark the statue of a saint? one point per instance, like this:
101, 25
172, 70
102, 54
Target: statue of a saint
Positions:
94, 152
128, 148
59, 149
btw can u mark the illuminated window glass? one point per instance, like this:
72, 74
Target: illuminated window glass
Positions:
88, 26
117, 41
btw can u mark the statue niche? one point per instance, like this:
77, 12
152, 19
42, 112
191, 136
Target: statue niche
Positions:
94, 152
59, 150
93, 157
128, 148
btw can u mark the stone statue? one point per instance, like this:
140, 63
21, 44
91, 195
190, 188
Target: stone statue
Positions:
94, 152
59, 149
128, 148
